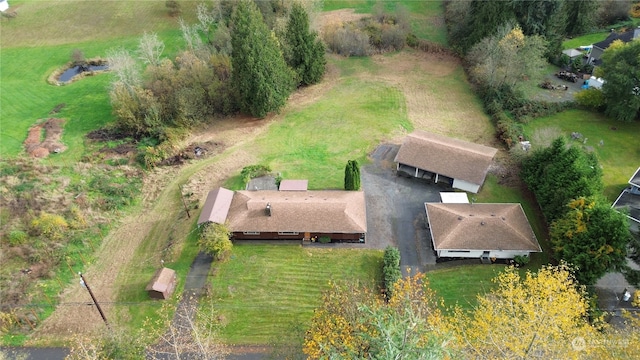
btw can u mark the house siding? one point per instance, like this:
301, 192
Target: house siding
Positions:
476, 254
335, 237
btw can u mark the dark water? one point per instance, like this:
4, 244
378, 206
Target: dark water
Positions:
77, 70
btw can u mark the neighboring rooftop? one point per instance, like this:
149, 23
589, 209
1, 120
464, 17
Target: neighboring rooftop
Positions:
216, 207
635, 179
625, 37
480, 227
162, 280
629, 199
294, 185
312, 211
450, 157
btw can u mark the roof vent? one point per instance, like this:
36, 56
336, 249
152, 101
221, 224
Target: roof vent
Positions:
503, 218
268, 209
459, 217
482, 223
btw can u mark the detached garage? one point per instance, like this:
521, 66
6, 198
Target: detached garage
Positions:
463, 165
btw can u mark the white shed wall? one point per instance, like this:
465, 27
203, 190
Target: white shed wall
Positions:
466, 186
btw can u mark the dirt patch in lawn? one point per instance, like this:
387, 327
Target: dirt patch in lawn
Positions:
38, 147
338, 17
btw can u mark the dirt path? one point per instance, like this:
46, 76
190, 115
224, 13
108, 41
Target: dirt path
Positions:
160, 216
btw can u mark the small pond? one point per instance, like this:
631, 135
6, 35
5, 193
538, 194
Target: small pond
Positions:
77, 70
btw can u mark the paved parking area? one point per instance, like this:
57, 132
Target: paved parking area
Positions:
395, 210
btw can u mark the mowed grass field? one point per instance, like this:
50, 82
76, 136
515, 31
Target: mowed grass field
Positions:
261, 291
41, 40
619, 153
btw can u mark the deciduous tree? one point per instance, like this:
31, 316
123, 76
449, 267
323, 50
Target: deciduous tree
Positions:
214, 240
305, 52
591, 236
538, 315
260, 74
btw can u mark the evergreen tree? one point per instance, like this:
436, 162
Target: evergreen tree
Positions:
485, 19
591, 236
352, 175
305, 51
260, 74
581, 16
621, 90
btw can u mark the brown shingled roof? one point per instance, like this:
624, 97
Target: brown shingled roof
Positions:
216, 206
308, 211
480, 227
446, 156
293, 185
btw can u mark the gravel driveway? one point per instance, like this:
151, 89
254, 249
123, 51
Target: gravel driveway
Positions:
395, 210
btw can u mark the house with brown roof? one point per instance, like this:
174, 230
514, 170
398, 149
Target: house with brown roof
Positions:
461, 164
629, 201
295, 215
216, 206
480, 231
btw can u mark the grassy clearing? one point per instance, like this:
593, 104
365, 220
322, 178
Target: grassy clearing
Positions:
263, 289
618, 155
72, 22
27, 97
316, 142
584, 40
427, 17
461, 285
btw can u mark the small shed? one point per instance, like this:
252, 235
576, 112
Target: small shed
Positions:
162, 284
572, 53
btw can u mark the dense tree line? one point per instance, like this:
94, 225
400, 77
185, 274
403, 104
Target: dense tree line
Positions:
232, 61
585, 231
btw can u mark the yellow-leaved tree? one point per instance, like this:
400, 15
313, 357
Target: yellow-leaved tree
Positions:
356, 323
538, 315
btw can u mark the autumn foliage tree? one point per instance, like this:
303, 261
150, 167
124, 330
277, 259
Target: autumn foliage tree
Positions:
591, 236
214, 240
356, 323
538, 315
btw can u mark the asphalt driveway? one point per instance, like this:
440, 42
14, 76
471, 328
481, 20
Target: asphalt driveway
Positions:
395, 210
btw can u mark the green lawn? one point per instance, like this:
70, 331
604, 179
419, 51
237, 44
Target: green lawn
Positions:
584, 40
619, 153
460, 285
263, 290
316, 142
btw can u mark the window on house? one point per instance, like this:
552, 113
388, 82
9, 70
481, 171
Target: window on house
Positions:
287, 233
251, 232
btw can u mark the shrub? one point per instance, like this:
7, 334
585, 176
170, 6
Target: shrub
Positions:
347, 40
254, 171
591, 98
393, 38
521, 260
17, 237
391, 269
324, 239
50, 226
214, 240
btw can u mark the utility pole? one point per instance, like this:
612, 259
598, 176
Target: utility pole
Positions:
84, 283
184, 202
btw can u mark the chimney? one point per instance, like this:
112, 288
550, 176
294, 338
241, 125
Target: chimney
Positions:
268, 209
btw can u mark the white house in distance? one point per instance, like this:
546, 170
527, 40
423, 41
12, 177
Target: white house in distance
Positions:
480, 231
4, 5
461, 164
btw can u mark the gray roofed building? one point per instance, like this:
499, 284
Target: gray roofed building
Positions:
629, 200
463, 164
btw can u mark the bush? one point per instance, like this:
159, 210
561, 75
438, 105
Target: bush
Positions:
50, 226
324, 239
254, 171
17, 237
521, 260
347, 40
591, 98
391, 269
214, 240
